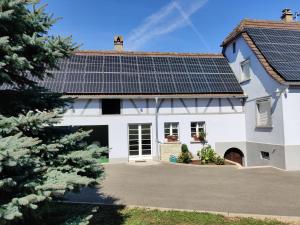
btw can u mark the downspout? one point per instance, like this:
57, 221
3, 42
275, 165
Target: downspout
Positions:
156, 129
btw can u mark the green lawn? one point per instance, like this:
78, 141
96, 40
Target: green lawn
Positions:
112, 215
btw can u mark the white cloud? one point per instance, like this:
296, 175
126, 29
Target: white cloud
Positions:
166, 20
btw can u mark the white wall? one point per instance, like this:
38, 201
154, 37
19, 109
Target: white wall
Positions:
260, 85
225, 120
291, 113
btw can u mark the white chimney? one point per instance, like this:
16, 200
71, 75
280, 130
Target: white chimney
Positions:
118, 43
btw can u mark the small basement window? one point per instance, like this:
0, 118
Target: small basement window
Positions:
265, 155
171, 132
111, 106
263, 113
245, 70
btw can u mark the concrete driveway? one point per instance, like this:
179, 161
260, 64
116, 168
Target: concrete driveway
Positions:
263, 191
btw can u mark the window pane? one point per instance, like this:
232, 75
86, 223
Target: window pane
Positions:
146, 152
144, 142
167, 125
133, 152
133, 142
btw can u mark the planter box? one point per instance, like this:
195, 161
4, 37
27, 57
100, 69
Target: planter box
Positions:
199, 138
172, 138
166, 150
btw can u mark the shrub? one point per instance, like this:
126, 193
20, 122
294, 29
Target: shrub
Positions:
208, 155
185, 155
219, 160
184, 148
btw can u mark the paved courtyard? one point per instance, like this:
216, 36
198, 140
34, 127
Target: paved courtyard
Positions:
264, 191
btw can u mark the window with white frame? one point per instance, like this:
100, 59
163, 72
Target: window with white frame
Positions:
263, 112
245, 70
198, 131
171, 132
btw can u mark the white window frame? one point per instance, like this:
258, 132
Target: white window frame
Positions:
264, 102
171, 124
199, 125
245, 77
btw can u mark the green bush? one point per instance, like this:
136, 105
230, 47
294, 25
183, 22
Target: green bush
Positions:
208, 155
219, 160
185, 155
184, 148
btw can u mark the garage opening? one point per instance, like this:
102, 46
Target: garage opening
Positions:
235, 155
99, 136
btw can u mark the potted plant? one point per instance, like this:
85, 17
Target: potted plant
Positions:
172, 138
200, 137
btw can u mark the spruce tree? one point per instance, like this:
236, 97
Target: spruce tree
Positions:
38, 160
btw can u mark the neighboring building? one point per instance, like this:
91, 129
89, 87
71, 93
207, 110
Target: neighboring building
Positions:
144, 104
265, 56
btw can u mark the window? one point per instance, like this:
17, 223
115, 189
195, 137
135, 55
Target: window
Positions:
263, 113
198, 131
265, 155
234, 48
171, 132
245, 73
111, 106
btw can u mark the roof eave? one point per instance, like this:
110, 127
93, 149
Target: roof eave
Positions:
152, 96
135, 53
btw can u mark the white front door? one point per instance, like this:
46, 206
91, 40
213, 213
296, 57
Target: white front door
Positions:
139, 141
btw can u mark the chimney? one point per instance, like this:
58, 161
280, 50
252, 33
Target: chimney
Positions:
287, 15
118, 43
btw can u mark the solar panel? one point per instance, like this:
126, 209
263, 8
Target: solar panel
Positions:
123, 74
281, 48
93, 87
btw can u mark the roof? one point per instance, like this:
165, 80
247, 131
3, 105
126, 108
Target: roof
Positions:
143, 73
276, 44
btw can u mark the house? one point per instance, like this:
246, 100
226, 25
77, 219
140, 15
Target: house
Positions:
143, 105
146, 104
265, 56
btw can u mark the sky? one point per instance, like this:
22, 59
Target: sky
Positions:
158, 25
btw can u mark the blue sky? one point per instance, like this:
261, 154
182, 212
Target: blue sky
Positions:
159, 25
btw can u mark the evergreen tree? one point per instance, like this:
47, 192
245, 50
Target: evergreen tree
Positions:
38, 160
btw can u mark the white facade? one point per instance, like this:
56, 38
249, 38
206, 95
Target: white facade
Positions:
281, 140
224, 121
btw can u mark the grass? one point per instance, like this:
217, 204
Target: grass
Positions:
116, 215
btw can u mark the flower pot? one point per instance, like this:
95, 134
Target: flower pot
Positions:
198, 138
172, 138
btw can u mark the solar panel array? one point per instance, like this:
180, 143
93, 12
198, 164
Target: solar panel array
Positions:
122, 74
281, 48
